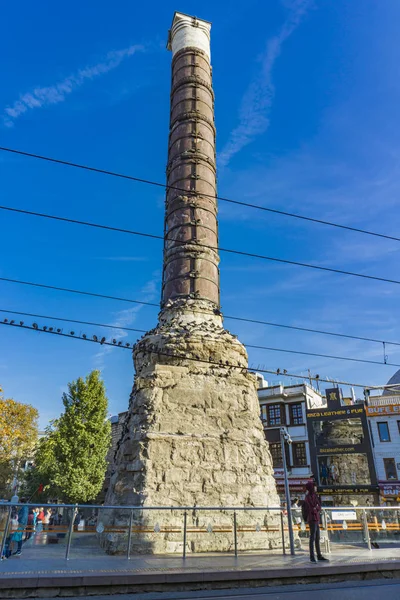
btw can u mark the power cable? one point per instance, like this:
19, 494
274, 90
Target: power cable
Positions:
221, 198
72, 291
231, 317
267, 348
199, 245
330, 356
260, 369
310, 330
78, 222
36, 316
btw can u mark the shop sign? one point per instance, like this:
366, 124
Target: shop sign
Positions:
344, 515
341, 449
388, 410
348, 489
333, 397
293, 482
328, 454
342, 413
390, 489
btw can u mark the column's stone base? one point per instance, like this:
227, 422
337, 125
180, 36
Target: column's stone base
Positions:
193, 437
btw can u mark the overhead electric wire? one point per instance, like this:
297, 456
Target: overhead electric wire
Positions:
267, 348
36, 316
72, 291
310, 330
218, 249
330, 356
221, 198
231, 317
79, 222
192, 358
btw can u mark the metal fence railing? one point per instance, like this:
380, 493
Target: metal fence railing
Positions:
89, 529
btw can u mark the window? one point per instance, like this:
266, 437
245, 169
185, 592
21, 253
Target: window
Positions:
274, 414
390, 468
383, 430
276, 454
263, 413
296, 413
299, 454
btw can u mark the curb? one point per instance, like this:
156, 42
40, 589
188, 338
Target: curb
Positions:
82, 584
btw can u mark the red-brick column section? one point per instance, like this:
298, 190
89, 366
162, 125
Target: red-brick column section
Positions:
190, 269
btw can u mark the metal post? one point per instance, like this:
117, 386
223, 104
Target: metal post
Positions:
71, 529
235, 532
287, 493
366, 530
128, 550
283, 534
325, 525
184, 533
3, 540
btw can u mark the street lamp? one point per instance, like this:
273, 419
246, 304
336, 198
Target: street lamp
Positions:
285, 437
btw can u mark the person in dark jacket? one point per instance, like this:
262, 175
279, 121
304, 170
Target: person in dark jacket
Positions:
31, 525
313, 511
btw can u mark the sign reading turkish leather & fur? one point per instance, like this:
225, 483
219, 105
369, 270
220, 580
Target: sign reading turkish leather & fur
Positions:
348, 489
335, 414
340, 448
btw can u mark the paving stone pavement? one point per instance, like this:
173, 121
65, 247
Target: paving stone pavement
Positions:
86, 557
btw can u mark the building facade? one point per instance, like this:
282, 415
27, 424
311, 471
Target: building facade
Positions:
383, 413
286, 406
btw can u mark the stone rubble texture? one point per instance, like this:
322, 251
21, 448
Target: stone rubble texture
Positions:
193, 435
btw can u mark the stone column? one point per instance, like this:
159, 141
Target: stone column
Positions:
193, 435
190, 269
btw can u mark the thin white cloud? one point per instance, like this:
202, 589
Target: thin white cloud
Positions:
125, 258
126, 318
258, 98
41, 97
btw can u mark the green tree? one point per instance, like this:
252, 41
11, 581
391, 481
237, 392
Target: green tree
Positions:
71, 458
18, 438
42, 474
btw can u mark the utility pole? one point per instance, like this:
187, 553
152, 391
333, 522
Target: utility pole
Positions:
285, 437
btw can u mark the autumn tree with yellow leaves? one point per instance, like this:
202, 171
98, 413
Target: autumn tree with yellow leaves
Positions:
18, 439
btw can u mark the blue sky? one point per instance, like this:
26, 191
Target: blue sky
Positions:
307, 115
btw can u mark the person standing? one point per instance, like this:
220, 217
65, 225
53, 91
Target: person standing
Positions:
312, 509
77, 521
324, 474
7, 532
39, 520
335, 473
30, 524
22, 524
296, 512
46, 518
10, 538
